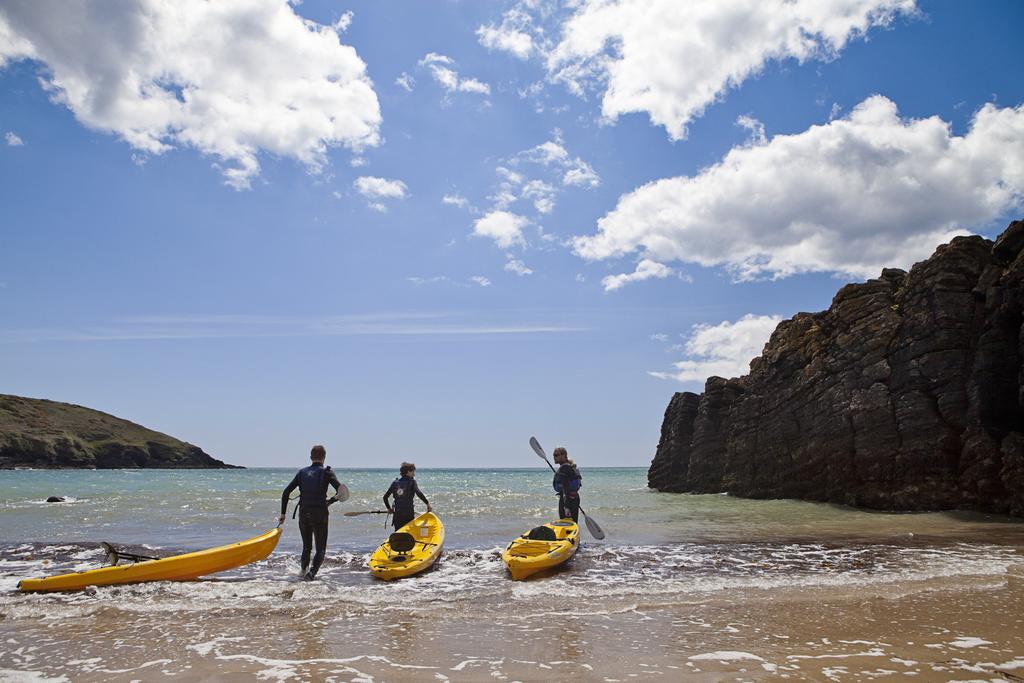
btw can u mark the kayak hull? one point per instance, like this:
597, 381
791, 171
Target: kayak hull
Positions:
388, 564
176, 568
527, 556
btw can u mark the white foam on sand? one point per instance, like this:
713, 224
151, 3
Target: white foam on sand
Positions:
726, 656
15, 676
967, 642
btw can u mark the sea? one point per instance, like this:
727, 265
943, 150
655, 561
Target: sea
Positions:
683, 587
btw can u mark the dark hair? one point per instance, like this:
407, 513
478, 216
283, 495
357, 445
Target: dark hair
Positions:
318, 452
406, 468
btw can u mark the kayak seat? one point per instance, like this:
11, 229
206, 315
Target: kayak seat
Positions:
542, 533
401, 542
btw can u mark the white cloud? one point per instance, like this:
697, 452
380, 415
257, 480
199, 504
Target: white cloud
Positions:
343, 22
435, 280
518, 267
580, 277
13, 140
659, 337
228, 79
542, 194
442, 71
405, 81
455, 200
233, 326
645, 270
553, 154
380, 188
672, 59
851, 196
506, 229
511, 36
358, 162
723, 350
481, 280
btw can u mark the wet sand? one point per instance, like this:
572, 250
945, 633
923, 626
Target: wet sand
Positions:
931, 632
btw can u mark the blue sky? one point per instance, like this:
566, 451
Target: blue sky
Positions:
428, 230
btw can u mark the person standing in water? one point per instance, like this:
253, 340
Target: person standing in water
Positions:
312, 483
567, 483
403, 490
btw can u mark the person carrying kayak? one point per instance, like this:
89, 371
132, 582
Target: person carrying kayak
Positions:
312, 483
403, 490
567, 483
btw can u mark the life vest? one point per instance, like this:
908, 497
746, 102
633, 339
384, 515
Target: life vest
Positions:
403, 488
313, 482
568, 482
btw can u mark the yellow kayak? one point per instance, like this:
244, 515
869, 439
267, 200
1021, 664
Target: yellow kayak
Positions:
542, 548
410, 550
176, 568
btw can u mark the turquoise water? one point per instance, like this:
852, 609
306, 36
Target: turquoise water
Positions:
690, 555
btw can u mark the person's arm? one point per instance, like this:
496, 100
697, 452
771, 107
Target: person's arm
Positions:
416, 490
284, 496
387, 494
332, 479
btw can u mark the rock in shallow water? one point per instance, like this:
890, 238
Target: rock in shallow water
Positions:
906, 394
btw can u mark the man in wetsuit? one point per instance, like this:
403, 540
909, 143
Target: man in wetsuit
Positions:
567, 483
312, 483
403, 490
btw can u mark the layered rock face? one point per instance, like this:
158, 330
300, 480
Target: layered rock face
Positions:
47, 434
906, 394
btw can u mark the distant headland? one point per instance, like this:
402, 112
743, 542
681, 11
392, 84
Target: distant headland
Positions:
45, 434
906, 394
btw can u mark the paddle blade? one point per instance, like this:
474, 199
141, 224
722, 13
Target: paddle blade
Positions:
593, 527
535, 445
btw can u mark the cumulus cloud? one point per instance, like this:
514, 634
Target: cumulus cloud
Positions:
723, 350
13, 140
455, 200
672, 59
645, 270
512, 35
480, 280
518, 267
442, 69
228, 79
381, 188
377, 189
553, 154
851, 196
505, 228
517, 181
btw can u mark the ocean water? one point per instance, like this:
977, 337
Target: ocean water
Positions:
682, 586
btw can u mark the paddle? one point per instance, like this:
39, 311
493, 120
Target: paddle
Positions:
366, 512
340, 497
592, 526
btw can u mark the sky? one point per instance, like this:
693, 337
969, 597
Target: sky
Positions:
427, 230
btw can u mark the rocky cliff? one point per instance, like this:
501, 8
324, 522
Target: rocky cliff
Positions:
906, 394
47, 434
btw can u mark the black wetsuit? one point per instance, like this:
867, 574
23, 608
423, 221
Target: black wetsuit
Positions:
567, 483
403, 489
312, 483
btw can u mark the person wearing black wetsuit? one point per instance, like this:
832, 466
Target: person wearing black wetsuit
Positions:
567, 483
312, 483
403, 490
